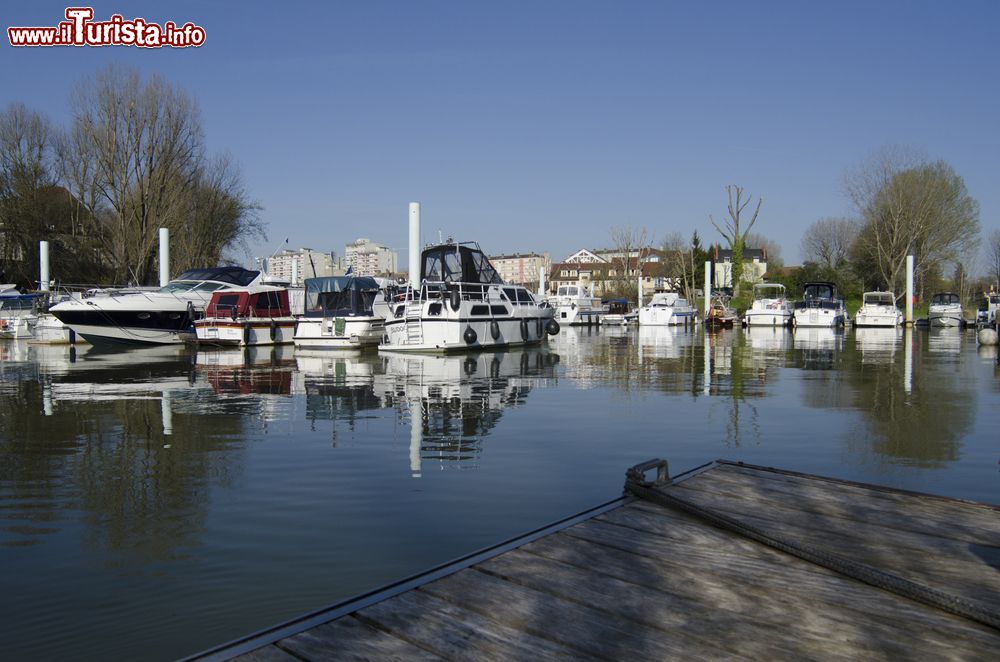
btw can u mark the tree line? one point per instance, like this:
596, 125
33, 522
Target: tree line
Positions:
132, 159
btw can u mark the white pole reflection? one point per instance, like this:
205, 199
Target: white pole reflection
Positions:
416, 437
907, 359
167, 414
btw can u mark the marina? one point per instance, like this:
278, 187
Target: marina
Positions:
268, 482
729, 560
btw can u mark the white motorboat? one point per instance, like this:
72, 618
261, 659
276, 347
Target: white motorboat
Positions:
258, 315
666, 309
878, 309
157, 317
946, 310
19, 313
575, 306
462, 303
618, 313
342, 312
770, 306
820, 307
989, 309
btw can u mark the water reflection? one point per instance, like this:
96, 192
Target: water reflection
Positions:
877, 345
818, 348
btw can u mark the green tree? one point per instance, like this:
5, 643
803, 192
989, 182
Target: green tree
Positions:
736, 228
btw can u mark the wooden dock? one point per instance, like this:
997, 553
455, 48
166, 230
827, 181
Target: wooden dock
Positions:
636, 579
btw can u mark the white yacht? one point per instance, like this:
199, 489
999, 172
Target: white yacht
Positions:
666, 309
462, 303
575, 306
156, 317
258, 315
18, 312
342, 312
820, 307
945, 310
878, 309
770, 306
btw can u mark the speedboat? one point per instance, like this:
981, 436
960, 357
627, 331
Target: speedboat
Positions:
666, 309
574, 306
878, 309
820, 307
945, 310
342, 312
153, 317
988, 309
770, 306
461, 304
18, 312
257, 315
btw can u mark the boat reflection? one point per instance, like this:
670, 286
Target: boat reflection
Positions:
249, 370
817, 348
665, 342
945, 340
877, 345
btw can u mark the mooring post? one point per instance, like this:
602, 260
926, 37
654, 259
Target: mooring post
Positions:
415, 246
909, 290
43, 266
708, 287
164, 256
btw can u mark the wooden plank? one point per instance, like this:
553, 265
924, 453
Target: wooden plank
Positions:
573, 625
452, 632
350, 639
267, 654
781, 590
923, 514
927, 559
736, 633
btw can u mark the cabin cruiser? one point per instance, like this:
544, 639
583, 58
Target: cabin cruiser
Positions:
342, 312
878, 309
666, 309
462, 303
157, 317
770, 306
574, 306
988, 309
257, 315
720, 315
945, 310
618, 312
820, 307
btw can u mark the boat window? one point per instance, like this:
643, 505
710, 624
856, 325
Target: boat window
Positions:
227, 304
572, 291
945, 298
452, 267
818, 291
480, 310
432, 267
561, 292
524, 296
511, 294
499, 310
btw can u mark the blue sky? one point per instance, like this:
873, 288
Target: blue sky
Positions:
541, 125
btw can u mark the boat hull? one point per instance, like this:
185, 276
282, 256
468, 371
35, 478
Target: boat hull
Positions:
339, 333
767, 318
244, 333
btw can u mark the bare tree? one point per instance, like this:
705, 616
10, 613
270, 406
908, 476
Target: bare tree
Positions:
911, 207
828, 241
135, 160
628, 242
736, 228
993, 256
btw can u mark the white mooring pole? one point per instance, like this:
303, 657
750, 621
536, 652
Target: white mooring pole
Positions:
43, 266
415, 245
541, 282
164, 256
708, 287
909, 290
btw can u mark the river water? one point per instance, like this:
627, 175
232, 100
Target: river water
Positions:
156, 502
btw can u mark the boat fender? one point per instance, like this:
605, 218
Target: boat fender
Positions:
233, 313
539, 327
524, 330
495, 329
190, 312
470, 366
525, 365
246, 334
456, 300
552, 327
495, 368
469, 335
274, 330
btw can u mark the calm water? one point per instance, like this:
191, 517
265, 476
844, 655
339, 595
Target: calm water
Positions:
156, 502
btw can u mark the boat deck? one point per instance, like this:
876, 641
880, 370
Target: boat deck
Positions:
634, 579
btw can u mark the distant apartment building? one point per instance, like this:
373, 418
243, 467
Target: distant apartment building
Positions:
366, 258
310, 264
754, 266
521, 268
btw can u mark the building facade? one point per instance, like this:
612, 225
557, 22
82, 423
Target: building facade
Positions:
367, 258
603, 271
754, 266
308, 264
522, 268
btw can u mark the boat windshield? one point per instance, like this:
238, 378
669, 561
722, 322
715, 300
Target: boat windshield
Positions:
769, 291
565, 291
945, 298
819, 291
454, 263
879, 298
210, 280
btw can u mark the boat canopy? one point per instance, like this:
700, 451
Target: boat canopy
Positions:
457, 263
945, 298
14, 300
230, 275
760, 289
269, 302
819, 290
340, 296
